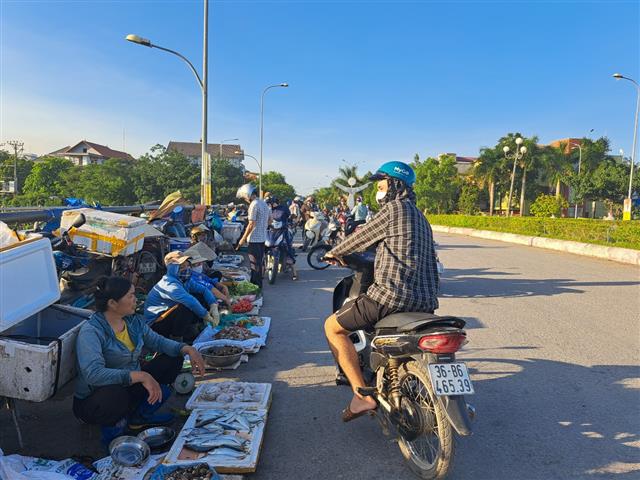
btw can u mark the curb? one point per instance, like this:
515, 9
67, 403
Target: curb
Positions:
614, 254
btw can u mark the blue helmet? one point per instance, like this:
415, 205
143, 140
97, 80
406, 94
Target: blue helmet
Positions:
399, 170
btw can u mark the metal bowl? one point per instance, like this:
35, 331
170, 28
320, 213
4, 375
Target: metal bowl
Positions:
213, 359
158, 437
129, 451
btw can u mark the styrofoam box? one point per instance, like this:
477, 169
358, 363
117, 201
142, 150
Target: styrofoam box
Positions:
28, 281
28, 366
106, 232
231, 231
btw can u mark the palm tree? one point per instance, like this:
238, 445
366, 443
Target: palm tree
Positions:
556, 164
347, 172
486, 171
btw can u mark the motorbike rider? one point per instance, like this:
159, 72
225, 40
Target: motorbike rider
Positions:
280, 213
256, 232
359, 211
405, 278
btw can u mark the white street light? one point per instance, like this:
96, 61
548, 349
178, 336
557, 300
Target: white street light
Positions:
284, 85
517, 155
205, 168
627, 210
227, 140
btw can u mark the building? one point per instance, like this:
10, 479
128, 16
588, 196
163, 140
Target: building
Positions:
193, 151
463, 164
89, 153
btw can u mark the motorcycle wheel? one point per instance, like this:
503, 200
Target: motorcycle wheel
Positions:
430, 455
272, 270
315, 255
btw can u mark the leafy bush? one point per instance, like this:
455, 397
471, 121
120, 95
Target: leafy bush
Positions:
548, 206
601, 232
468, 201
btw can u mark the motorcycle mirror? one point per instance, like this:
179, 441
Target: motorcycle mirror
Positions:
79, 221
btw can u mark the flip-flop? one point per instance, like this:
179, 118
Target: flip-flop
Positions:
348, 415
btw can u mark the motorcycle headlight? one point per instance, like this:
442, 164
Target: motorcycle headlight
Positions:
310, 235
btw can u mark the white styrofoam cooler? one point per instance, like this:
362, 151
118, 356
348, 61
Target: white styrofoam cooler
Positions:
106, 232
41, 355
231, 231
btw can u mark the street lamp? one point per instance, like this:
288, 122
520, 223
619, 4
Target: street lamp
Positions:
517, 155
573, 146
240, 152
284, 85
627, 203
205, 167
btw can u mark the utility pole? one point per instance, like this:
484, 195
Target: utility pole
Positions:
17, 150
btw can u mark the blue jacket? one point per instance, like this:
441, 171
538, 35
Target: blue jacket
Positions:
104, 360
170, 291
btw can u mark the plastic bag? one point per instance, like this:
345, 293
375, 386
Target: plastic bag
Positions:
7, 236
16, 467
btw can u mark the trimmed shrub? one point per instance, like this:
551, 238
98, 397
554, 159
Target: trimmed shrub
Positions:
601, 232
548, 206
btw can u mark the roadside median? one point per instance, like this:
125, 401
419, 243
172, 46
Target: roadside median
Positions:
615, 254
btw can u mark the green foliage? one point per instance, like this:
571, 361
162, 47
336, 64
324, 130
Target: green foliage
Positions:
276, 184
548, 206
107, 184
226, 180
437, 184
46, 178
602, 232
23, 169
469, 197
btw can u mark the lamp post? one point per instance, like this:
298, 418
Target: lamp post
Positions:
516, 155
239, 152
284, 85
205, 167
627, 203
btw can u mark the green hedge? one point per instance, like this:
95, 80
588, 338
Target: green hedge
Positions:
601, 232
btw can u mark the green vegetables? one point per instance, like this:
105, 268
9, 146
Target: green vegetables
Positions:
243, 288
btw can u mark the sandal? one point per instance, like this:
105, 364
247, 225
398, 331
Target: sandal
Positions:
348, 415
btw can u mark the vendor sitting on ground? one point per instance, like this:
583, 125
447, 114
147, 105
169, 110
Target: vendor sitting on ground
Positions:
112, 389
172, 308
219, 290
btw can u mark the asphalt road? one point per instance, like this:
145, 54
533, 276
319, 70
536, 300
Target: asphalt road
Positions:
554, 353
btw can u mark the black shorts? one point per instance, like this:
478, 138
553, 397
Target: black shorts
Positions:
361, 314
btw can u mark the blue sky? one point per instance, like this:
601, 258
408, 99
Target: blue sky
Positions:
370, 81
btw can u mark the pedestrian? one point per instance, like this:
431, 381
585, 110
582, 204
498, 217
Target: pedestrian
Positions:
256, 232
177, 305
113, 389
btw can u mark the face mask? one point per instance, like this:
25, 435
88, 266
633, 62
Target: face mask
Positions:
197, 269
185, 274
380, 196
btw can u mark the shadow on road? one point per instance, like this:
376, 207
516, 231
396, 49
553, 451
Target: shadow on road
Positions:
483, 283
561, 420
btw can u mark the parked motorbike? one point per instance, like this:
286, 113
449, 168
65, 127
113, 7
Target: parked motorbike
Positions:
313, 230
336, 232
410, 368
276, 251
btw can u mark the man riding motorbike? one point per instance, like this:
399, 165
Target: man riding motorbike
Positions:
406, 275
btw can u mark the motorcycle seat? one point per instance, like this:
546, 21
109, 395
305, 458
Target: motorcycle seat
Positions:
412, 321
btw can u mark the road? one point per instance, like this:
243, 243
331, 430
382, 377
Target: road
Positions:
554, 353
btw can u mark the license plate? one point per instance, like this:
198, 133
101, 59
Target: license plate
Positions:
450, 379
147, 268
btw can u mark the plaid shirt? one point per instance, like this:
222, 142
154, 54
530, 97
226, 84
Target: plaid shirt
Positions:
259, 212
406, 272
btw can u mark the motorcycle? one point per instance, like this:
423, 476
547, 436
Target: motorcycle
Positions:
337, 231
410, 368
313, 230
276, 254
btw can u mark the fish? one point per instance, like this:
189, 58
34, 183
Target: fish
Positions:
227, 452
205, 445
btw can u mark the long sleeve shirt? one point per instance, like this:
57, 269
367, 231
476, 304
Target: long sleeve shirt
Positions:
406, 273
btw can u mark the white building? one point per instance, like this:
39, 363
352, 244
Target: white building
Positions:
87, 153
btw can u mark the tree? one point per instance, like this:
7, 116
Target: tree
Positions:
468, 201
276, 184
46, 178
23, 168
609, 183
548, 206
556, 165
108, 183
488, 170
226, 179
528, 162
437, 184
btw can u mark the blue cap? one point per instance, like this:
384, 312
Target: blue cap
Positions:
399, 170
